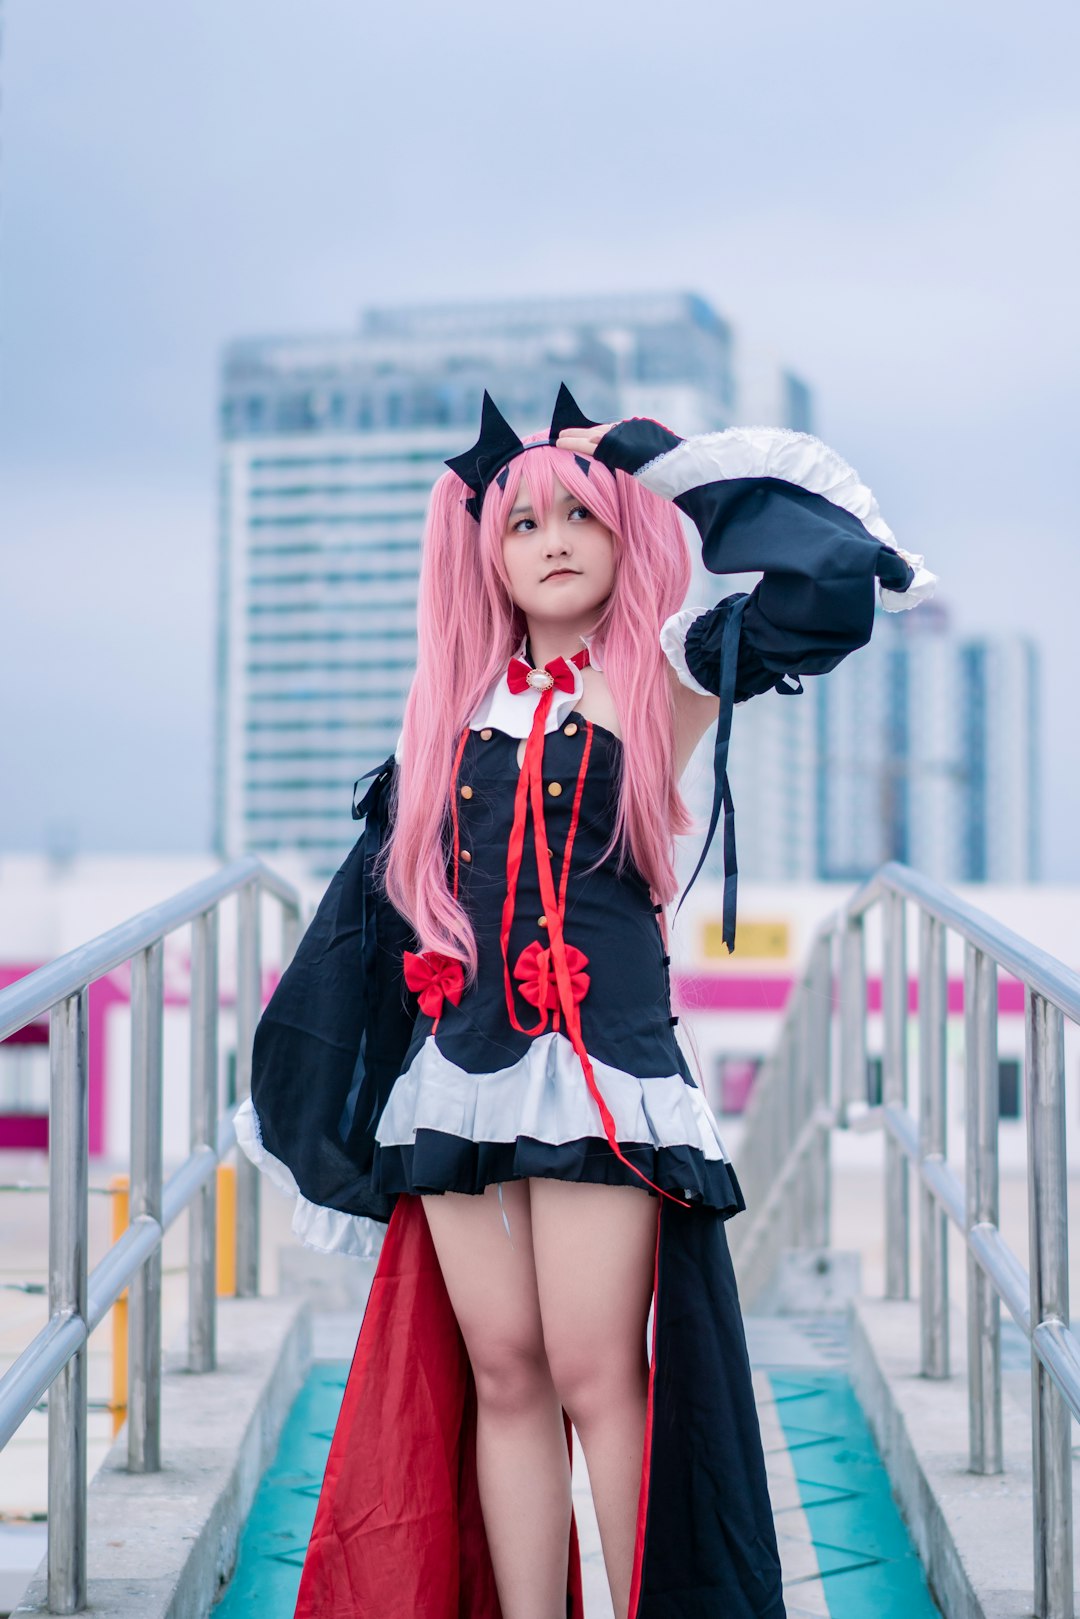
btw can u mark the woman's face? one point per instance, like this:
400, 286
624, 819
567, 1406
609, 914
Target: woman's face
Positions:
563, 570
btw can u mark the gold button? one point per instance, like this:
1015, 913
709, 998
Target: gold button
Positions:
570, 730
486, 734
541, 921
554, 788
466, 792
551, 854
465, 855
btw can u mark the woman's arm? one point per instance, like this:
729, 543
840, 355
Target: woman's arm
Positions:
695, 711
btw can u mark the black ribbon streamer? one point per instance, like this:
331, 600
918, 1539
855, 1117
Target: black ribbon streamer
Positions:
729, 663
372, 807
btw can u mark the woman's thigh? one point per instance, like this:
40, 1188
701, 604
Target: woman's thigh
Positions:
595, 1251
491, 1280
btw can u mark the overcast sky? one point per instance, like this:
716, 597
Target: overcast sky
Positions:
884, 194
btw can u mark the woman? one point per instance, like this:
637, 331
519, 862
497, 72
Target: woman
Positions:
529, 1119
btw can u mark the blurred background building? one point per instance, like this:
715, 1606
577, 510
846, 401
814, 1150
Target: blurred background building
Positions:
330, 447
922, 747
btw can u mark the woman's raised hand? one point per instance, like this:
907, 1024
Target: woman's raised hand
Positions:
582, 440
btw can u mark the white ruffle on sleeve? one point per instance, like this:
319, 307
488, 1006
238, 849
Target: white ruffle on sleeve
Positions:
673, 643
328, 1231
766, 452
921, 588
791, 457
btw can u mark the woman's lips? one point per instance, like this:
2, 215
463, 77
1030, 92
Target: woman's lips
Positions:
561, 573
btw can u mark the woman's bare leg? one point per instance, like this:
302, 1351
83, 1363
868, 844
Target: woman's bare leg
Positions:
523, 1468
595, 1249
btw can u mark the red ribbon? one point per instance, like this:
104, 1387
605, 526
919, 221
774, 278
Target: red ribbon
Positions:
517, 675
538, 986
559, 960
435, 978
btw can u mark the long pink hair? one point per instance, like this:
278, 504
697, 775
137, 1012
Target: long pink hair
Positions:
468, 628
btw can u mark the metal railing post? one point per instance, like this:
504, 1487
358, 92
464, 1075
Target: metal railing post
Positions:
68, 1202
778, 1123
799, 1203
819, 1021
202, 1220
852, 1014
290, 935
791, 1216
933, 1221
1049, 1258
894, 1093
144, 1306
248, 1004
981, 1207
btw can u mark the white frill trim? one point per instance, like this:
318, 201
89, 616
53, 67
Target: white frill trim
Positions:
673, 644
765, 452
797, 458
512, 712
544, 1096
921, 588
329, 1231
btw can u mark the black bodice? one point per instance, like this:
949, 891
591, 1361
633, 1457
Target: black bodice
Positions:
625, 1014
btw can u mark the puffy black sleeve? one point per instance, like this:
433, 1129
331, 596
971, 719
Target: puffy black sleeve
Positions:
782, 504
330, 1045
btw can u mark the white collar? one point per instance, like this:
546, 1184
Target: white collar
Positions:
512, 712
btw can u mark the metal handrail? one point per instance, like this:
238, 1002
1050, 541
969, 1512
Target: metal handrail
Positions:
1036, 968
56, 1358
802, 1094
35, 995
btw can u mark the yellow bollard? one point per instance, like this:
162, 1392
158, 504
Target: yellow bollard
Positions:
119, 1186
226, 1231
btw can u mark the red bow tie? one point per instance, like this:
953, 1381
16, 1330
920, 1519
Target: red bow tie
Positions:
557, 673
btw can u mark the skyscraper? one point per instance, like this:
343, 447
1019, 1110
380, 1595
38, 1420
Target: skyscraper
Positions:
921, 747
330, 447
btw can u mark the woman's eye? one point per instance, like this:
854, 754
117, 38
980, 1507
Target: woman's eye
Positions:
520, 526
583, 510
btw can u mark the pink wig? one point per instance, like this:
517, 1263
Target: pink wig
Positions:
469, 627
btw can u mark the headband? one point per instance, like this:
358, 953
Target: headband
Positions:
498, 445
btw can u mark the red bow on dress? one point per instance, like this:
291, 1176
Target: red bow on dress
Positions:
538, 986
435, 978
559, 670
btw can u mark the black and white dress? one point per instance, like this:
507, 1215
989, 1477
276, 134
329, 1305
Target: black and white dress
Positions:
480, 1101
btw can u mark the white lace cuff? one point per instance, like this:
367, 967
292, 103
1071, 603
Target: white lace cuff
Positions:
921, 588
673, 643
328, 1231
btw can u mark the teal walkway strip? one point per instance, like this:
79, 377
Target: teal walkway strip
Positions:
862, 1561
274, 1542
865, 1556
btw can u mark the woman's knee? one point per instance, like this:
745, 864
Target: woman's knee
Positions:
592, 1382
511, 1373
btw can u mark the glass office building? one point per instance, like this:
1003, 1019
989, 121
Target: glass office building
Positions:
329, 449
922, 747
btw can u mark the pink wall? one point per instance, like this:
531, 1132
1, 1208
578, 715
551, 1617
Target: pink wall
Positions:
31, 1130
761, 992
